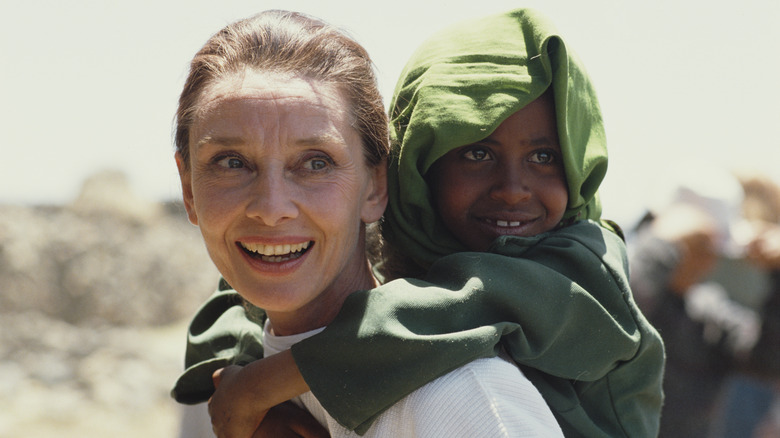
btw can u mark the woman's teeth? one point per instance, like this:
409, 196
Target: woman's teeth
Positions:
508, 223
276, 253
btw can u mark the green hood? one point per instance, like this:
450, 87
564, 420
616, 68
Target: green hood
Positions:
457, 88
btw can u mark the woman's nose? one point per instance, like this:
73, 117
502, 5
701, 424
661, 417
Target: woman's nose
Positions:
271, 198
510, 185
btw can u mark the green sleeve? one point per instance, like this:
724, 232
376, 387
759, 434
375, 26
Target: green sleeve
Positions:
224, 331
560, 303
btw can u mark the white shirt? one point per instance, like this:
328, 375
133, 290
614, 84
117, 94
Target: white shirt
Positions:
485, 398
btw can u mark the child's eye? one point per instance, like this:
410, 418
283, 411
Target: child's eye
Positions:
477, 154
229, 162
543, 157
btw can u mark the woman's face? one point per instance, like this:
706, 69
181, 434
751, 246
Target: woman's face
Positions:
279, 187
511, 183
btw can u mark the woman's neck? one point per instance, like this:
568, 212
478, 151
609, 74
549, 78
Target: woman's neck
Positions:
323, 309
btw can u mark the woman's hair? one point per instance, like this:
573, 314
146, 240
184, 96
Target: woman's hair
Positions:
288, 42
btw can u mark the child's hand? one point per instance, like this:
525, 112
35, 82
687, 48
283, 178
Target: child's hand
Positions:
288, 420
232, 409
244, 395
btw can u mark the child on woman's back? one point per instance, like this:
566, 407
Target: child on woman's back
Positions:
499, 153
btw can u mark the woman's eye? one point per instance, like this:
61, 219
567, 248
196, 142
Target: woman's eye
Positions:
318, 163
543, 157
477, 154
229, 162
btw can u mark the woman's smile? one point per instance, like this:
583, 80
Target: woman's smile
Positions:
275, 253
275, 260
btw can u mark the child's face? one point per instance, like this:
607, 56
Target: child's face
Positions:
510, 183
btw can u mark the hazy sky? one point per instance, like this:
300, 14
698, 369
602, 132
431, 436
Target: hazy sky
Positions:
91, 85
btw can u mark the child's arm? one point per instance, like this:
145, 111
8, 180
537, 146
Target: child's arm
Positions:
227, 331
223, 332
561, 304
410, 332
245, 394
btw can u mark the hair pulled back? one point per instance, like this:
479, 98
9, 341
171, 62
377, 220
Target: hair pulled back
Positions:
288, 42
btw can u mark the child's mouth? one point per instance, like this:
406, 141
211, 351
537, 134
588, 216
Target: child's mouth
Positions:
275, 253
508, 223
510, 227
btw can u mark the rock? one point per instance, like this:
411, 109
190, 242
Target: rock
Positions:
64, 380
105, 267
94, 301
109, 193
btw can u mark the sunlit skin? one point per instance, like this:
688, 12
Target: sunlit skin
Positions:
276, 168
510, 183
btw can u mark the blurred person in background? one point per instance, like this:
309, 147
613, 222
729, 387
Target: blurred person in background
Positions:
704, 265
746, 404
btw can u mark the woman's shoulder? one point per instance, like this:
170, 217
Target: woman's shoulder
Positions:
486, 397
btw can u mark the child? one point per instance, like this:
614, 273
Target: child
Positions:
556, 297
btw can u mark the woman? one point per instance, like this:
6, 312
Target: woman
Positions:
281, 144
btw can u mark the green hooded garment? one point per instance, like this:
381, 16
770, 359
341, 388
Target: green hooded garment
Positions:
558, 303
457, 88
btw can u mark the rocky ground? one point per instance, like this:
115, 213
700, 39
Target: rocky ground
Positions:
94, 300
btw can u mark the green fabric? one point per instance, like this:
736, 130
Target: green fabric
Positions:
561, 304
457, 88
223, 332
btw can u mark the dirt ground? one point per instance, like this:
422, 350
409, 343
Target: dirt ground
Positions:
106, 383
94, 301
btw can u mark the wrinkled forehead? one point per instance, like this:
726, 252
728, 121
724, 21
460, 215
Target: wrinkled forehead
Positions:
273, 87
258, 108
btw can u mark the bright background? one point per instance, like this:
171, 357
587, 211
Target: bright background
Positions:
88, 85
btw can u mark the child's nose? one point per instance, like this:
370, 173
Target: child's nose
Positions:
510, 185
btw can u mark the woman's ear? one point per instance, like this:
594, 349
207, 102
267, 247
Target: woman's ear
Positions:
376, 195
186, 188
